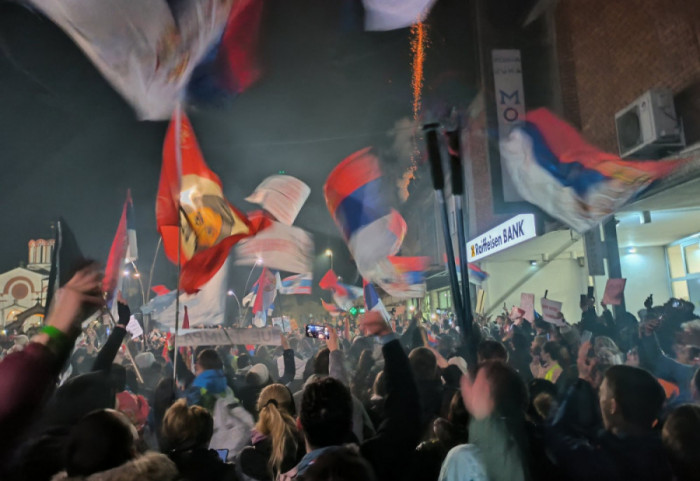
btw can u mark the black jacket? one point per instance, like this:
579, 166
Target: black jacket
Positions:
202, 465
253, 461
603, 456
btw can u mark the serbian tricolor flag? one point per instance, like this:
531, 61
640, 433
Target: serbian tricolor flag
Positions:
476, 273
122, 250
557, 170
355, 200
403, 277
343, 294
210, 225
372, 301
334, 310
299, 284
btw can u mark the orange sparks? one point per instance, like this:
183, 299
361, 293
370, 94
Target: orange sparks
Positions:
419, 37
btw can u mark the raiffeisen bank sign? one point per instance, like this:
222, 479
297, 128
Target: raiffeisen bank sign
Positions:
511, 233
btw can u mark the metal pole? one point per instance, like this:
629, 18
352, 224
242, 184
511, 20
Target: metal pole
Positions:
439, 184
613, 254
455, 157
153, 265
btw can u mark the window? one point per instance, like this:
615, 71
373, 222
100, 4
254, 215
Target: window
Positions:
684, 268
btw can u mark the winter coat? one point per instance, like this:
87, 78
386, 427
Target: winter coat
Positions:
202, 465
602, 457
252, 463
149, 467
398, 435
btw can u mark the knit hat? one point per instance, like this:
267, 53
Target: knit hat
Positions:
459, 362
258, 375
135, 407
144, 360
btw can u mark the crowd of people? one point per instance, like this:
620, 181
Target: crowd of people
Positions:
605, 398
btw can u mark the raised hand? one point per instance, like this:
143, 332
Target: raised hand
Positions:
80, 295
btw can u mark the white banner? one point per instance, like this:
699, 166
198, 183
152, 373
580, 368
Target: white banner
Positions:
266, 336
283, 196
280, 247
511, 233
205, 308
510, 107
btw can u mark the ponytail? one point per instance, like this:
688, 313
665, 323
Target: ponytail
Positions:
280, 427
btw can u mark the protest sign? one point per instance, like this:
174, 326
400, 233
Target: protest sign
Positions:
134, 328
551, 311
527, 304
614, 290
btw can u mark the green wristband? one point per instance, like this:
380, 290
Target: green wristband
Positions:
58, 340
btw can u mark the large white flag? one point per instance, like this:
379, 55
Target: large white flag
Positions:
283, 196
394, 14
205, 308
148, 49
280, 247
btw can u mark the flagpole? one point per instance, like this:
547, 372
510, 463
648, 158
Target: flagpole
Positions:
438, 185
178, 162
455, 157
153, 265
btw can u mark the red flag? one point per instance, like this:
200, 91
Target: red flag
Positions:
117, 253
237, 60
160, 290
329, 282
186, 320
210, 225
165, 347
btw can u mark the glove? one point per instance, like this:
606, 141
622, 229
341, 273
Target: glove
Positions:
124, 314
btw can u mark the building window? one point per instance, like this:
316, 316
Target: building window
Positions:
684, 268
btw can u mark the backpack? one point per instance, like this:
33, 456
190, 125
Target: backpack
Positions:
232, 426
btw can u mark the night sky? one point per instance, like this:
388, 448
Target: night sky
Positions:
70, 146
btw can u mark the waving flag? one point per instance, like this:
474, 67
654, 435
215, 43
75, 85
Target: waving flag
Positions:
353, 193
476, 274
395, 14
205, 308
120, 251
403, 277
279, 246
283, 196
372, 301
146, 50
266, 291
343, 294
65, 260
210, 226
299, 284
334, 310
557, 170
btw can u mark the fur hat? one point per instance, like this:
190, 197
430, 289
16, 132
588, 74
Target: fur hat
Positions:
258, 375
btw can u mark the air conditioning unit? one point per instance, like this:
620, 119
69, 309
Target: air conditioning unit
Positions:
648, 128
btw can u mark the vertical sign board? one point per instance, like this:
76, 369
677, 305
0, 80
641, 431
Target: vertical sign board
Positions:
510, 106
595, 252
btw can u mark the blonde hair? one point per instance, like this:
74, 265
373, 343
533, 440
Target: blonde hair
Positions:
275, 406
186, 427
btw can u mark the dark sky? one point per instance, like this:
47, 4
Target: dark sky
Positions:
70, 146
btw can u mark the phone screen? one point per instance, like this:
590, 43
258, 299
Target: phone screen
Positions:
223, 454
317, 332
586, 336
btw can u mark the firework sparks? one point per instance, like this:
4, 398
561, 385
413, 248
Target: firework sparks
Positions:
419, 41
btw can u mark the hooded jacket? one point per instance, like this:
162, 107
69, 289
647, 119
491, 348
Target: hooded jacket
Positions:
149, 467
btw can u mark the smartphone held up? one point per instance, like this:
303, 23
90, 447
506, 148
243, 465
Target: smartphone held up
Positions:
317, 331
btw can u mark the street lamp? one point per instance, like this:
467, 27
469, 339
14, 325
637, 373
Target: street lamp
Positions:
329, 253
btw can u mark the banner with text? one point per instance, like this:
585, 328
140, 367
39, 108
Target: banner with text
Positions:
511, 233
266, 336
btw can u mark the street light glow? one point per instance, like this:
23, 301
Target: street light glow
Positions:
230, 292
137, 275
329, 253
126, 272
259, 261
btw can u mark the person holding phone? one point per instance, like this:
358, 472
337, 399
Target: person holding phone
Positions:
186, 433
